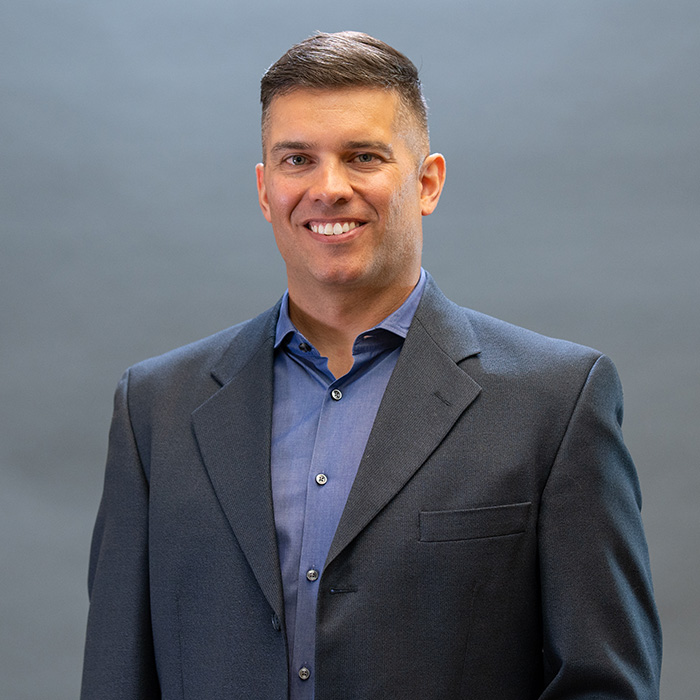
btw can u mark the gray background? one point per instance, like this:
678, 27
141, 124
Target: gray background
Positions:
130, 225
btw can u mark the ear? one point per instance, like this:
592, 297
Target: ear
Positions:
432, 179
262, 191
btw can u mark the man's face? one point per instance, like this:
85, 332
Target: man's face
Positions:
343, 189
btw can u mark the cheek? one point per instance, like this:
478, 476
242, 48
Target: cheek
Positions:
404, 202
282, 199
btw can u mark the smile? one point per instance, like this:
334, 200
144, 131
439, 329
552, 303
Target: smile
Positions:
329, 229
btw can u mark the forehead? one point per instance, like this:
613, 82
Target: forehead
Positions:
355, 112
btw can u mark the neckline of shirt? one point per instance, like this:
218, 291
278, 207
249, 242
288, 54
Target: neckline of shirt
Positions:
397, 322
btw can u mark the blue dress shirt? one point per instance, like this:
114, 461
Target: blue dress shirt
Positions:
320, 427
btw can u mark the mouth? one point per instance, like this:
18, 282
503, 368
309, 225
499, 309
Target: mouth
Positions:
333, 228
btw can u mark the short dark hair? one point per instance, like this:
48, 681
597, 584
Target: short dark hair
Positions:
342, 60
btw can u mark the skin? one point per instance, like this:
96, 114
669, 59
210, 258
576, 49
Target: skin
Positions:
341, 157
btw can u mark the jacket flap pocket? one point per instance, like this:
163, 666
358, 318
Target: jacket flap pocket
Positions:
473, 523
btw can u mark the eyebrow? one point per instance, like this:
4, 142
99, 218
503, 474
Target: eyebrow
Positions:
291, 146
369, 146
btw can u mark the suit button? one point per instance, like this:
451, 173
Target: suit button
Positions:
304, 673
276, 623
336, 394
321, 479
312, 574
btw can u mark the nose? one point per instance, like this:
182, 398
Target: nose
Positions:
330, 184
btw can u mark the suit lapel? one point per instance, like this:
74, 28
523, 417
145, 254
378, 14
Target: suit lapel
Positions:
233, 432
426, 394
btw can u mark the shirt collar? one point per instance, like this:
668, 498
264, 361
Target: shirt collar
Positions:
397, 322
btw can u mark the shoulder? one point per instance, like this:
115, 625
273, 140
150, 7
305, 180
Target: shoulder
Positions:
536, 364
194, 369
192, 360
503, 356
507, 343
465, 332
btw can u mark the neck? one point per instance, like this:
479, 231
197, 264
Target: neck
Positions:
332, 319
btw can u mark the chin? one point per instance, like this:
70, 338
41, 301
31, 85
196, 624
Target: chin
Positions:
340, 277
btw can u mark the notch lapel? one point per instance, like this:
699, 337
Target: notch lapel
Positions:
425, 396
233, 430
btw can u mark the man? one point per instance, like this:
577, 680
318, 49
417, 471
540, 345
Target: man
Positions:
367, 491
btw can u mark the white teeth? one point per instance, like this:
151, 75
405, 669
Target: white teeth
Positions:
333, 229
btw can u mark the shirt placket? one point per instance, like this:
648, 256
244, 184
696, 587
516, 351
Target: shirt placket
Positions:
326, 492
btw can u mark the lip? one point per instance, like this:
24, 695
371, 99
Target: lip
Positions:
320, 223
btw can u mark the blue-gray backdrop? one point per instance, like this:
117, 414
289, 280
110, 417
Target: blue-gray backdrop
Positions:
130, 225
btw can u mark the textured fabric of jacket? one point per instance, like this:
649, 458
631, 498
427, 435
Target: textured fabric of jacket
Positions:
491, 547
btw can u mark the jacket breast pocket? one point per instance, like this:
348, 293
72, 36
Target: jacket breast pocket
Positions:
473, 523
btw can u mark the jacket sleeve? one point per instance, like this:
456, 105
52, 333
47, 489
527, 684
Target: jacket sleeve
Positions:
119, 657
602, 637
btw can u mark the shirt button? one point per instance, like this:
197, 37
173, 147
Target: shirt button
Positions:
336, 394
321, 479
312, 574
304, 347
304, 673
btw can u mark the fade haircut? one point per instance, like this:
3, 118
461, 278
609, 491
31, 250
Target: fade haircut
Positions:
346, 60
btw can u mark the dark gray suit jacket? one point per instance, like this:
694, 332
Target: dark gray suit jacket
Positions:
491, 547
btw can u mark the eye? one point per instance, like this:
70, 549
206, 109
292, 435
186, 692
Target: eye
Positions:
296, 160
365, 158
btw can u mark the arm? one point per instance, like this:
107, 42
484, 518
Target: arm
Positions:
601, 632
119, 656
